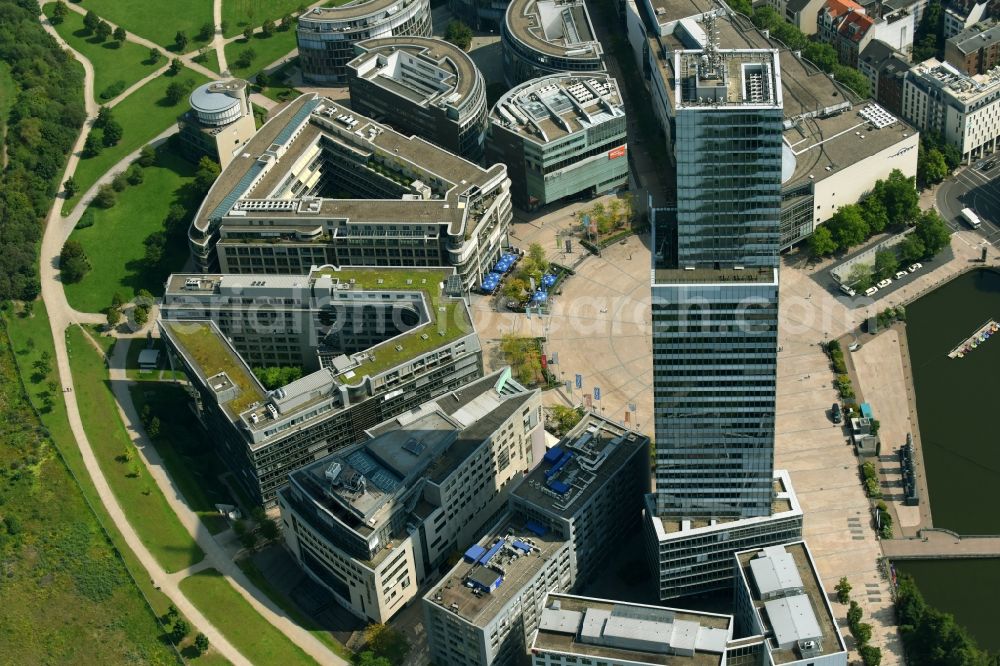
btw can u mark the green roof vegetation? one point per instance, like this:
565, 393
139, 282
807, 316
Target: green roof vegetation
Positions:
449, 317
203, 344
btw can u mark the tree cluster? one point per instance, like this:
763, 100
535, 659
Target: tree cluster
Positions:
935, 159
524, 355
178, 90
459, 34
73, 262
562, 419
383, 645
277, 377
46, 114
932, 637
929, 40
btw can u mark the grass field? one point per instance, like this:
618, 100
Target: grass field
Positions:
249, 633
156, 21
267, 50
143, 115
67, 597
186, 450
137, 493
126, 63
164, 373
115, 243
239, 14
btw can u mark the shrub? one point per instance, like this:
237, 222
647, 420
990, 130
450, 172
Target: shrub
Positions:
87, 219
112, 91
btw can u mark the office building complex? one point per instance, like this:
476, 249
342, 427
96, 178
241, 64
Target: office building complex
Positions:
566, 517
372, 521
371, 345
428, 87
780, 597
963, 109
975, 50
480, 14
836, 145
560, 135
219, 123
321, 185
542, 37
326, 35
581, 630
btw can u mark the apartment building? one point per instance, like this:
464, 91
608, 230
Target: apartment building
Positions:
849, 28
975, 50
423, 86
371, 522
560, 135
319, 184
219, 123
542, 37
962, 14
963, 109
326, 35
885, 68
780, 598
371, 345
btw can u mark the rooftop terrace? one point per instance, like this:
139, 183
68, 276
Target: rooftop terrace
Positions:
557, 27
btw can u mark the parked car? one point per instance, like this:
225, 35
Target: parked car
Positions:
847, 290
989, 164
882, 284
871, 291
901, 274
915, 267
836, 414
855, 346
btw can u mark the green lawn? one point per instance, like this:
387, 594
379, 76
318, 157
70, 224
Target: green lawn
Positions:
186, 450
239, 14
115, 243
156, 21
67, 596
267, 50
163, 373
143, 115
126, 64
137, 493
249, 633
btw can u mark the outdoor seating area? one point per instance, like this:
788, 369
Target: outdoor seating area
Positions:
505, 265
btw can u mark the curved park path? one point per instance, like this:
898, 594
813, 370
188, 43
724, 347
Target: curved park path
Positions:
219, 553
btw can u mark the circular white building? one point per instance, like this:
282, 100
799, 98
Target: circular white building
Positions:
326, 35
219, 123
542, 37
220, 102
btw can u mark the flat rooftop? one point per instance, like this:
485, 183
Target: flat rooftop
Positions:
594, 452
975, 37
555, 106
460, 74
794, 612
348, 11
712, 78
478, 607
950, 81
253, 186
631, 633
555, 27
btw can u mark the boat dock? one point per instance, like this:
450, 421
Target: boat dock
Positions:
981, 335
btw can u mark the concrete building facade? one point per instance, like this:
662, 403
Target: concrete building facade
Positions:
542, 37
423, 86
219, 123
975, 50
849, 28
371, 345
962, 14
321, 185
371, 522
560, 135
326, 35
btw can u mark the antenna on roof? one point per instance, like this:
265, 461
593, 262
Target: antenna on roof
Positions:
711, 39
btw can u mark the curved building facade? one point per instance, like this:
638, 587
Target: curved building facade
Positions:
542, 37
219, 123
326, 35
421, 86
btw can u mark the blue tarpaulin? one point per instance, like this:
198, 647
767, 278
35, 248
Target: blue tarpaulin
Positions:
485, 559
520, 545
549, 473
505, 263
474, 553
553, 454
866, 410
491, 282
548, 280
536, 527
558, 486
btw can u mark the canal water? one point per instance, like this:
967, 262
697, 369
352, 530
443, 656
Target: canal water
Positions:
958, 402
964, 588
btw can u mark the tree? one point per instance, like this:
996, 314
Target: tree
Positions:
147, 156
843, 590
71, 187
59, 13
116, 300
140, 315
459, 34
821, 243
112, 133
154, 55
886, 264
73, 262
102, 31
105, 197
114, 316
564, 418
248, 539
860, 276
269, 529
247, 33
119, 182
932, 230
386, 642
181, 40
369, 658
135, 174
201, 643
852, 79
90, 21
899, 194
854, 613
175, 67
156, 244
872, 656
862, 632
245, 58
92, 147
874, 211
931, 167
179, 631
175, 92
821, 54
176, 220
912, 249
153, 429
208, 171
120, 35
848, 227
268, 28
104, 114
206, 32
286, 22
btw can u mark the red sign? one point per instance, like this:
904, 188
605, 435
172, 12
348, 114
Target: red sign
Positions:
545, 361
616, 153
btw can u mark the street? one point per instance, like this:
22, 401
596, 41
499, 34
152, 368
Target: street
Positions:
975, 189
